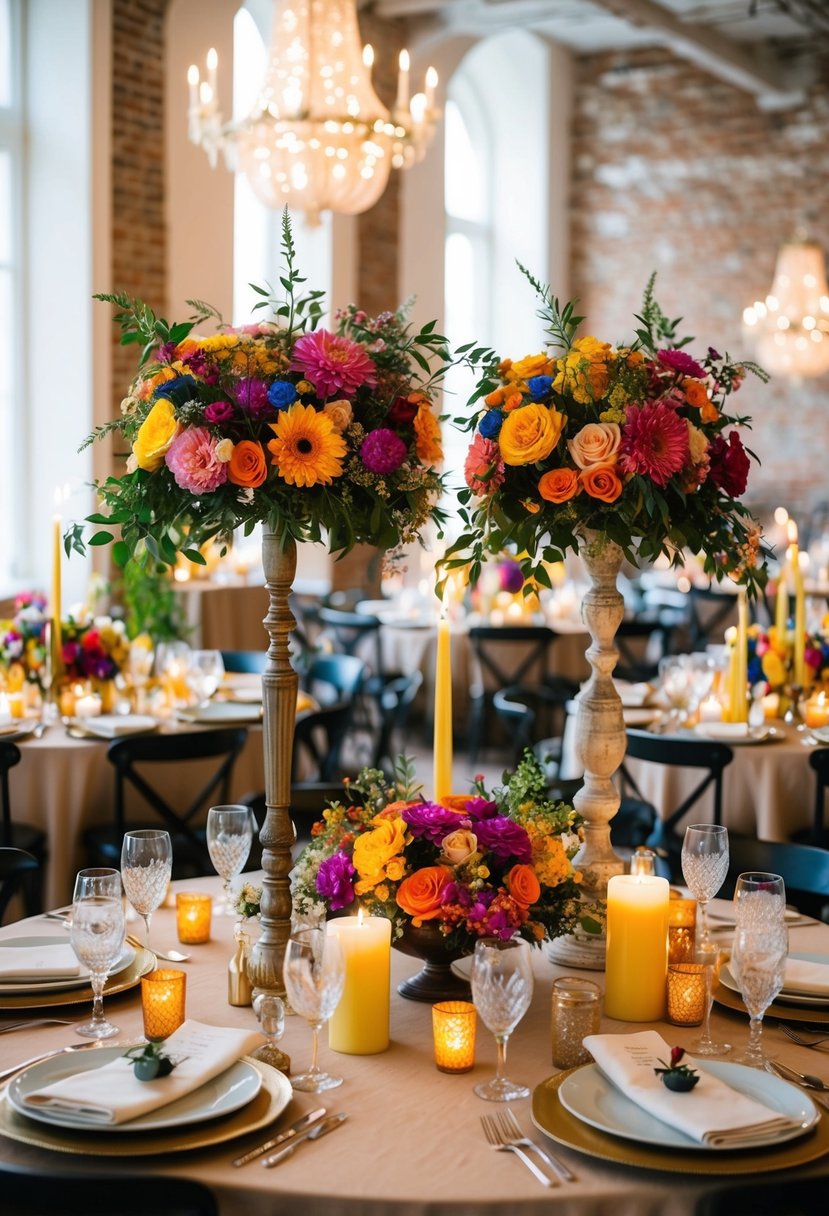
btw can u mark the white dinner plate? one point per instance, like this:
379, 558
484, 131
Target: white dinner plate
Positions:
788, 998
36, 984
757, 734
223, 1094
589, 1096
17, 729
640, 715
222, 711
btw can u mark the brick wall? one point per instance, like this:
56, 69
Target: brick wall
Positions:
678, 172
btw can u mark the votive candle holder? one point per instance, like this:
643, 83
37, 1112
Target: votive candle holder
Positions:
193, 912
687, 994
682, 921
162, 1002
453, 1028
576, 1013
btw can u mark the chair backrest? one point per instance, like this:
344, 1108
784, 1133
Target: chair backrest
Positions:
353, 633
16, 869
641, 644
246, 662
341, 674
130, 756
819, 760
9, 757
511, 654
51, 1193
318, 740
711, 612
803, 868
396, 699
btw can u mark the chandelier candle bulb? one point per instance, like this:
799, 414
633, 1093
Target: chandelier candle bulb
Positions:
637, 947
359, 1026
193, 912
453, 1029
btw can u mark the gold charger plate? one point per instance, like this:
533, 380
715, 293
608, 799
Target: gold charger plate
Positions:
780, 1011
550, 1116
143, 962
268, 1104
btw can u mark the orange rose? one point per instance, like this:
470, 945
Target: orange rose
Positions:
457, 802
601, 481
248, 466
419, 895
558, 485
523, 885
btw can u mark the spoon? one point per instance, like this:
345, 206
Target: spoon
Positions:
171, 956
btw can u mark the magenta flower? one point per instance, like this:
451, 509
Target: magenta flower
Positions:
729, 464
252, 395
192, 460
382, 451
335, 881
682, 363
336, 367
218, 411
504, 838
480, 808
654, 442
431, 821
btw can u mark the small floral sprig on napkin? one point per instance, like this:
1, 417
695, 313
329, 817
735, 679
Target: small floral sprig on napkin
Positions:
677, 1076
150, 1060
248, 901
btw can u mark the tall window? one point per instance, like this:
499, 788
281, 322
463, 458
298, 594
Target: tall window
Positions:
11, 244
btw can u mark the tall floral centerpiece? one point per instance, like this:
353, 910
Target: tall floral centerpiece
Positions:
317, 435
613, 452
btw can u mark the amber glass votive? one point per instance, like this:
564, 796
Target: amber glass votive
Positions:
686, 993
453, 1027
162, 1003
682, 921
193, 909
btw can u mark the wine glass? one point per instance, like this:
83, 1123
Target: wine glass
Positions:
146, 865
502, 988
675, 684
759, 897
314, 974
99, 880
140, 665
270, 1013
205, 673
704, 866
229, 839
758, 964
97, 937
711, 956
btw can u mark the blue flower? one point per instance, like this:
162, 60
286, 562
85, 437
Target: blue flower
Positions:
539, 386
281, 394
179, 389
491, 423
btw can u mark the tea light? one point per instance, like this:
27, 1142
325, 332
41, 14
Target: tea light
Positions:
816, 710
682, 920
88, 706
193, 909
453, 1029
686, 994
771, 706
710, 710
162, 1003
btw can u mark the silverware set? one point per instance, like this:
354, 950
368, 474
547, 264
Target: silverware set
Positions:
797, 1037
505, 1135
311, 1126
818, 1089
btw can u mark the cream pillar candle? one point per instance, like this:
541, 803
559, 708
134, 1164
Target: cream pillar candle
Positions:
359, 1026
637, 947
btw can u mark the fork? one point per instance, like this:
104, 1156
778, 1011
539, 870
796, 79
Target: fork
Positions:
512, 1133
10, 1026
818, 1089
796, 1037
498, 1143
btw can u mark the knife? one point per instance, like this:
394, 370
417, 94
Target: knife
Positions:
312, 1133
300, 1127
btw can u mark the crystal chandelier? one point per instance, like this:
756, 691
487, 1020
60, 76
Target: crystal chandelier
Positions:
790, 328
318, 137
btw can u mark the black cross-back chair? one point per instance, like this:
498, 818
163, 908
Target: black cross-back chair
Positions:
19, 872
707, 755
803, 868
818, 834
506, 655
641, 644
21, 835
185, 823
318, 741
245, 662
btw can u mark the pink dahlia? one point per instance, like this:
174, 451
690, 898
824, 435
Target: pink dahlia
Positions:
654, 442
192, 460
382, 451
483, 468
336, 367
681, 362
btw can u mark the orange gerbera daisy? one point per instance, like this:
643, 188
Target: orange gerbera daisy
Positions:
307, 449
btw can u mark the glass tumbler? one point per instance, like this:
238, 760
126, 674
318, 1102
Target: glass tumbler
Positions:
576, 1013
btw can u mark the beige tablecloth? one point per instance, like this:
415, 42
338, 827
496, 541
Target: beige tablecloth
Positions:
413, 1143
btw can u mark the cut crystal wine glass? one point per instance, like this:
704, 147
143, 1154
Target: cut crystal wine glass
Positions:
704, 866
758, 964
314, 974
229, 838
146, 865
97, 937
502, 988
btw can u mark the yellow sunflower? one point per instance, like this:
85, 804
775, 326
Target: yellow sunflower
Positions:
307, 450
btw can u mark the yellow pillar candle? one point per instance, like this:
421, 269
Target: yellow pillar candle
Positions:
443, 713
637, 947
359, 1026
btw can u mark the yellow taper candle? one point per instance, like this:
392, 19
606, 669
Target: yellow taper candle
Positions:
799, 608
740, 713
637, 947
359, 1026
781, 603
55, 607
443, 713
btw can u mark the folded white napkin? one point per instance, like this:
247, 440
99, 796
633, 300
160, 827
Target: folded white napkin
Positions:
712, 1113
812, 979
722, 730
52, 962
112, 1094
633, 695
114, 726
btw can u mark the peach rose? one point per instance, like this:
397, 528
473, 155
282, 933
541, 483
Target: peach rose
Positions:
156, 433
248, 466
420, 894
523, 885
595, 443
340, 412
530, 434
601, 481
458, 846
559, 485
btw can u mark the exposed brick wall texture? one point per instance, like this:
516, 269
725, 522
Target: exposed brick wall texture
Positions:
678, 172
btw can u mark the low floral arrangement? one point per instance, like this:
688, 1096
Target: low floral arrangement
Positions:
24, 641
632, 442
309, 431
771, 658
94, 648
481, 865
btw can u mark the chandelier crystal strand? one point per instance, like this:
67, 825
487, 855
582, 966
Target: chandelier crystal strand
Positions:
318, 137
790, 328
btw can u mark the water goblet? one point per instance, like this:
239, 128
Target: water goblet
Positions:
758, 964
704, 866
146, 865
97, 937
229, 838
502, 988
314, 975
675, 684
99, 880
140, 666
711, 956
205, 673
759, 897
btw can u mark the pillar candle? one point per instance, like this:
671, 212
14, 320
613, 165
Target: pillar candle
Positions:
442, 743
637, 947
359, 1026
